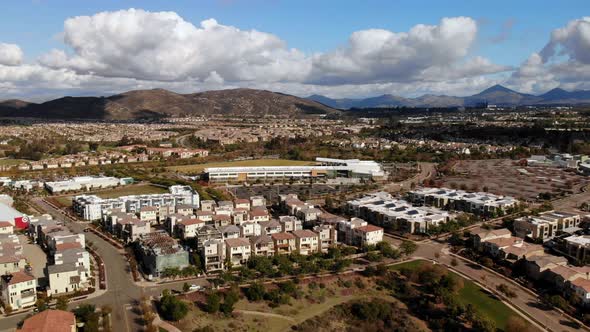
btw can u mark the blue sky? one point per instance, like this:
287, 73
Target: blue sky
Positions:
508, 32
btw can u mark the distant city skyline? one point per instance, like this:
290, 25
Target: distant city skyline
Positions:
338, 49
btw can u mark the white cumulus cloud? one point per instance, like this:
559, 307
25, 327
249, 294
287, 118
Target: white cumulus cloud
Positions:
10, 54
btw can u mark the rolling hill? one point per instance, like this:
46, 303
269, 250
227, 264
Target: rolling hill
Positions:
140, 104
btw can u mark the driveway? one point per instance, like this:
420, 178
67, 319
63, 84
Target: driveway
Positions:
35, 256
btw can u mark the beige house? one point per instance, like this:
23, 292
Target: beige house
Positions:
367, 235
306, 242
188, 228
327, 235
149, 214
262, 245
284, 243
238, 251
19, 290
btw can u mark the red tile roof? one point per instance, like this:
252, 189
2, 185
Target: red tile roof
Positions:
67, 245
239, 242
283, 236
6, 224
304, 233
189, 222
369, 228
50, 321
18, 277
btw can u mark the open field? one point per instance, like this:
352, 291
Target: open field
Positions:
197, 168
134, 189
479, 298
506, 177
259, 316
10, 162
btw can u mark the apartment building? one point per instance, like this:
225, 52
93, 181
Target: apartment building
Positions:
546, 225
479, 203
91, 207
383, 210
578, 248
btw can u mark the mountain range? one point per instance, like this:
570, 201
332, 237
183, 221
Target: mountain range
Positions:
140, 104
157, 103
497, 95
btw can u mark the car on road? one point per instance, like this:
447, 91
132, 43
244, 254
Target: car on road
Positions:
195, 288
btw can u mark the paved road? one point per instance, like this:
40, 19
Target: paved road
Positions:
550, 319
426, 170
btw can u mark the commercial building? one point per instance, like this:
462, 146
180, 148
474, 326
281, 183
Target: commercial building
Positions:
83, 183
330, 168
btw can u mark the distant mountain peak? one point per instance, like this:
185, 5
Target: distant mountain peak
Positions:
497, 88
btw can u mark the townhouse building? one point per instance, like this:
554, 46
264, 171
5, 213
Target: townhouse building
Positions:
213, 254
238, 251
284, 243
262, 245
306, 242
19, 290
546, 225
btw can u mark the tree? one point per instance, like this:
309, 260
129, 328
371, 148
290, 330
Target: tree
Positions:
454, 262
213, 303
186, 287
8, 309
408, 247
516, 324
41, 305
62, 303
172, 308
255, 292
487, 262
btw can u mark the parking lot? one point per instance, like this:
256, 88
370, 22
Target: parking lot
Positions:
507, 177
272, 192
35, 257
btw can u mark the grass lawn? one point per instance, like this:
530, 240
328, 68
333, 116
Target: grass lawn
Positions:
8, 161
196, 168
485, 303
472, 294
137, 189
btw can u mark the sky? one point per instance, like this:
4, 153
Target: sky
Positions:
353, 49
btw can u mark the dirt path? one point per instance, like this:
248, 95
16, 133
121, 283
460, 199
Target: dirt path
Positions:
265, 314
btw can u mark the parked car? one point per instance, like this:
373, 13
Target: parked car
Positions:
195, 287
